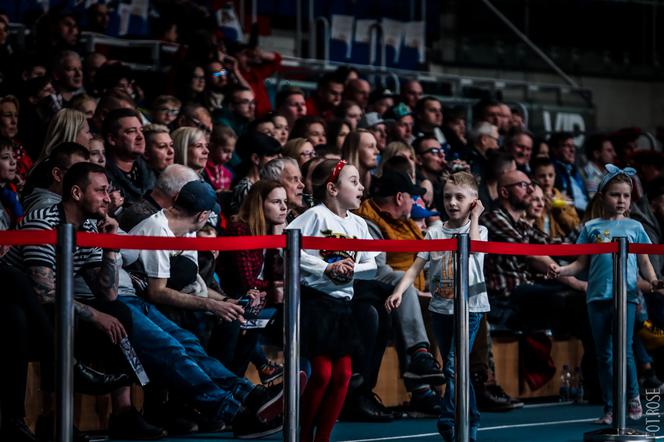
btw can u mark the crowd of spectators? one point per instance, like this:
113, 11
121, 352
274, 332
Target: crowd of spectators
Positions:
208, 153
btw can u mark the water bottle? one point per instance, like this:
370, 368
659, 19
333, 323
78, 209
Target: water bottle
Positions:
565, 377
578, 397
572, 384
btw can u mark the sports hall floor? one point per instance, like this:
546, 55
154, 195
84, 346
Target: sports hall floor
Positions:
548, 422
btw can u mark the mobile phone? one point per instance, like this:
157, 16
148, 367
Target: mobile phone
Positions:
244, 302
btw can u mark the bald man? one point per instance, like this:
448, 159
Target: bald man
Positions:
520, 297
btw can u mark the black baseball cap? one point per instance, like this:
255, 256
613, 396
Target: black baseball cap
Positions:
257, 143
393, 182
197, 196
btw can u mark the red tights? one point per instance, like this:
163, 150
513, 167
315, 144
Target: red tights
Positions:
324, 397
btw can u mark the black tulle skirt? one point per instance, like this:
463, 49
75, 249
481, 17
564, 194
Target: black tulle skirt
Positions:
327, 326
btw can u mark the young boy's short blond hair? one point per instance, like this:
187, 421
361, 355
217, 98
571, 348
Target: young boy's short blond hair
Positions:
462, 178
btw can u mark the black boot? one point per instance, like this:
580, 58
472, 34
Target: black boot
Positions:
89, 381
45, 430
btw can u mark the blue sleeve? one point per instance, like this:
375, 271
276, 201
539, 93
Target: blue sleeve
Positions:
641, 235
583, 236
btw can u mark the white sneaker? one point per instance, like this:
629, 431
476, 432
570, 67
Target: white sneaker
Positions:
607, 419
634, 410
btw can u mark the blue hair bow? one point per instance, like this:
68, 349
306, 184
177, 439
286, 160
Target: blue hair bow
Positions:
612, 172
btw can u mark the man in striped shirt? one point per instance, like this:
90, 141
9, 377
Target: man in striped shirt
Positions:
101, 322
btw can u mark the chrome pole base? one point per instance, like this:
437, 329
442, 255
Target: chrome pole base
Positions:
615, 434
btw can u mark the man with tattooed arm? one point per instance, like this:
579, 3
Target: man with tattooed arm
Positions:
102, 321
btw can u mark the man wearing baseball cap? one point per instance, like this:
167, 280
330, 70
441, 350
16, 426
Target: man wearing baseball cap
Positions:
399, 120
374, 123
175, 294
387, 214
380, 100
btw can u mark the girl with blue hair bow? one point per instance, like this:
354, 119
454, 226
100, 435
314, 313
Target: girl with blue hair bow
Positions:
607, 218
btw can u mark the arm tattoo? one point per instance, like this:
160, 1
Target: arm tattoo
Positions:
104, 280
43, 279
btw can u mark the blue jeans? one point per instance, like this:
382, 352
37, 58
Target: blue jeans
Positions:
443, 330
600, 314
173, 357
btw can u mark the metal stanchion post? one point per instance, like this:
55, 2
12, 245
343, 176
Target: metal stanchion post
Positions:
461, 358
619, 431
292, 336
64, 323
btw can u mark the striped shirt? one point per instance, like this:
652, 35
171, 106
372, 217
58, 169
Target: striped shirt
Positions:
23, 257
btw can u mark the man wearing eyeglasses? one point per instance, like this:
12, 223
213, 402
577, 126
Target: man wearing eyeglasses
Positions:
240, 110
516, 284
430, 160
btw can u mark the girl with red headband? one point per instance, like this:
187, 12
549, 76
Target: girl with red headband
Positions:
328, 332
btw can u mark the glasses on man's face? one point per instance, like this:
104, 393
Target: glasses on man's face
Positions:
170, 111
246, 102
220, 73
525, 185
434, 151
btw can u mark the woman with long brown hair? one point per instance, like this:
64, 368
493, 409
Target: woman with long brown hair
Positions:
263, 212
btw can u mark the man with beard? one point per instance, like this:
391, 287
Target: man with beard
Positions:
387, 214
515, 285
125, 147
102, 321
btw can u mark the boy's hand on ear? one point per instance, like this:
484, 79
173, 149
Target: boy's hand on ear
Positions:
476, 209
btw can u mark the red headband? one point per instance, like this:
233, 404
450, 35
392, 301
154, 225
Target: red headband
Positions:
334, 175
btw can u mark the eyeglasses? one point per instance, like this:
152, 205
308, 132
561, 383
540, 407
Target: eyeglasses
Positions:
522, 184
220, 73
169, 111
199, 125
435, 151
246, 102
308, 154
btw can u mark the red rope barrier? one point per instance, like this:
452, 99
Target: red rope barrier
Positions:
25, 237
378, 245
646, 249
506, 248
230, 243
108, 241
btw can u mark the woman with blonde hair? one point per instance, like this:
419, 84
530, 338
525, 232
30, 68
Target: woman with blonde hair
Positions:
66, 125
360, 150
398, 149
299, 149
191, 148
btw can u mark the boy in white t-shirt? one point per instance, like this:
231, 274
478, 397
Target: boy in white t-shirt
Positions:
463, 209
